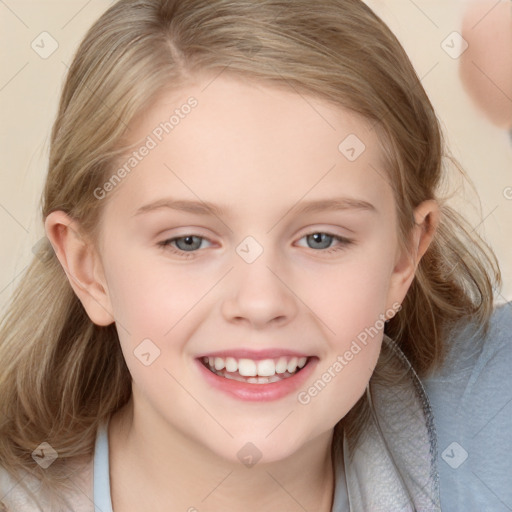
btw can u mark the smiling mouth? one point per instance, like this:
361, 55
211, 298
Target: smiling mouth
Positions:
265, 371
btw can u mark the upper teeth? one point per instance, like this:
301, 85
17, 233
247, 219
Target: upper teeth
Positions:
252, 368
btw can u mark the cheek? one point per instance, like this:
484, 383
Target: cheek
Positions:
339, 384
150, 297
351, 295
351, 309
153, 307
351, 306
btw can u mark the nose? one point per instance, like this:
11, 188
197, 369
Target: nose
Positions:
259, 294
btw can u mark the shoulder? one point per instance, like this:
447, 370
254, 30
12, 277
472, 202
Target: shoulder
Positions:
476, 370
470, 351
471, 400
78, 497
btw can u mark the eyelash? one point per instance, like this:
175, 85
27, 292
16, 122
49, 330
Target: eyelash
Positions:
344, 243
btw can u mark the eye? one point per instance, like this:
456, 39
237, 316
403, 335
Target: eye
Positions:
183, 244
187, 245
321, 240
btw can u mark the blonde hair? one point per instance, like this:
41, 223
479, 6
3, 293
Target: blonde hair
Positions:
61, 375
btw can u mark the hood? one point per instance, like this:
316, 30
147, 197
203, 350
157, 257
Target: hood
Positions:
393, 465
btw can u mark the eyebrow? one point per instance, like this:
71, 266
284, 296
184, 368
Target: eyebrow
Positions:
207, 208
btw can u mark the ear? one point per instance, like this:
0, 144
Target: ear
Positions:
426, 221
81, 264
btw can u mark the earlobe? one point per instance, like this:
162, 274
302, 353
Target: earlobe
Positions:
81, 265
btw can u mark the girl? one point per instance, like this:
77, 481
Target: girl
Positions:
249, 268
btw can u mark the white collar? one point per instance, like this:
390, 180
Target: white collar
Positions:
101, 472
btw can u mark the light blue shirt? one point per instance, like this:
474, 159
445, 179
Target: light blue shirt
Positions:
471, 398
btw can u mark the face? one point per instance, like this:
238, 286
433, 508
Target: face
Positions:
251, 237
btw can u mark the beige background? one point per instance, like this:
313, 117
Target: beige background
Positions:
30, 86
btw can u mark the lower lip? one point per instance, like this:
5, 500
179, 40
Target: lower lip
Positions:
258, 392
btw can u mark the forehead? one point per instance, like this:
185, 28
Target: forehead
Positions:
248, 145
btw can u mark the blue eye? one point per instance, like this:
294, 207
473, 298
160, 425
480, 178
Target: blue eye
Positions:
325, 240
321, 240
186, 246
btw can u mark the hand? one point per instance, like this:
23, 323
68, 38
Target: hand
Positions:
486, 66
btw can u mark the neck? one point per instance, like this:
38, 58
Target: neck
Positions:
175, 474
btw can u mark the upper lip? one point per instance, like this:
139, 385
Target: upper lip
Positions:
256, 355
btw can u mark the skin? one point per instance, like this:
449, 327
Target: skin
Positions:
486, 66
259, 152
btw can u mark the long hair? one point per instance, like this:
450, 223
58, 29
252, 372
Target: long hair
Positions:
61, 375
